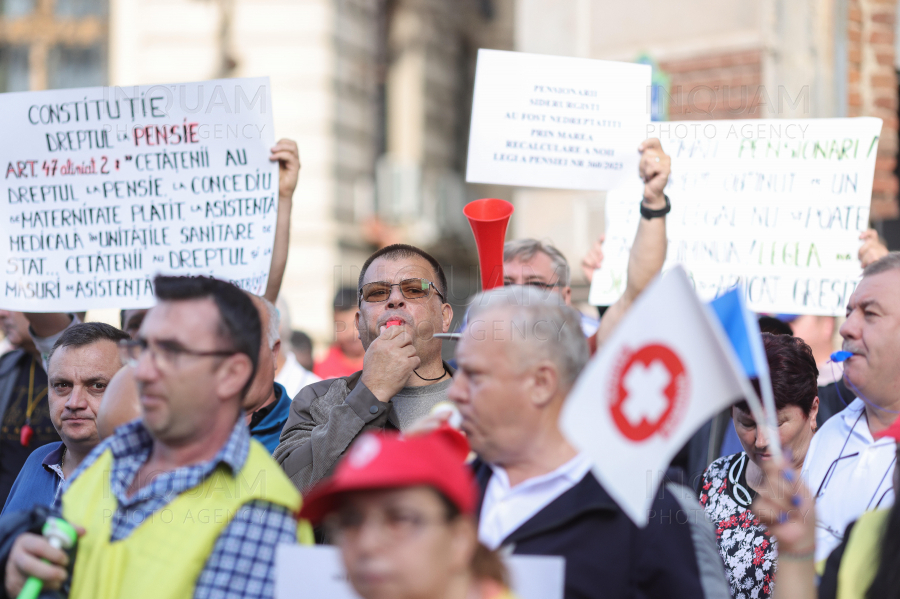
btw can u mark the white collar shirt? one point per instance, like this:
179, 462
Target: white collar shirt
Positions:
506, 508
850, 473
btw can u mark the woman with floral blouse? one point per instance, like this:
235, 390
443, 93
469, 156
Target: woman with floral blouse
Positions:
730, 483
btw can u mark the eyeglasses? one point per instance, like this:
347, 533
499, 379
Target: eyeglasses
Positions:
412, 289
537, 284
164, 354
396, 525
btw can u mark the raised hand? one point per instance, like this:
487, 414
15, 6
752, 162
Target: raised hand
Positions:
872, 249
288, 157
593, 259
654, 169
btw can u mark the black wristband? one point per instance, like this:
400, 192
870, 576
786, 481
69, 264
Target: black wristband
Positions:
649, 214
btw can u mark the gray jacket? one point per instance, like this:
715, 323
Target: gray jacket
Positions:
324, 420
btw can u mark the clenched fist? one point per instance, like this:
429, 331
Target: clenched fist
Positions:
389, 362
654, 168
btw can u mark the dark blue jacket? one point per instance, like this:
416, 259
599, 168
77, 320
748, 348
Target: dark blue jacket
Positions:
36, 483
268, 430
607, 555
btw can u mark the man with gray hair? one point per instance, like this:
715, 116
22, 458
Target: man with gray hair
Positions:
289, 372
267, 403
539, 264
517, 360
79, 367
846, 467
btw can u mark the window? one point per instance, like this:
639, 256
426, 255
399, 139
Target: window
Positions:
51, 44
71, 66
13, 68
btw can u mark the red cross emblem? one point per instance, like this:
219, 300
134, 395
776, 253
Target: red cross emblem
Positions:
649, 392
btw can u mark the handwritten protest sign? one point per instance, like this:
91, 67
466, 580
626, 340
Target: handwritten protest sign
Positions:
775, 205
553, 121
105, 187
319, 572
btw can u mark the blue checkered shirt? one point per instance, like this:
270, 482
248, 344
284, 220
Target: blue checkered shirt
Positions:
242, 563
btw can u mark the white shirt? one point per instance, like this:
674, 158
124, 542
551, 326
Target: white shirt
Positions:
505, 509
293, 376
830, 373
849, 471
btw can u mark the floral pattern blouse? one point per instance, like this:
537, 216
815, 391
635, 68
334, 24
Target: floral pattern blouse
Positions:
746, 546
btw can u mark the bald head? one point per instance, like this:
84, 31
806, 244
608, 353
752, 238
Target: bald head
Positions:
120, 403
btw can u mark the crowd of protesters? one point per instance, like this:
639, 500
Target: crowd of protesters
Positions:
190, 443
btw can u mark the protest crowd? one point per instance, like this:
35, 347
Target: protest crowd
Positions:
177, 454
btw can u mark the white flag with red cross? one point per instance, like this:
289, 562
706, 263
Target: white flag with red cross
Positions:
666, 369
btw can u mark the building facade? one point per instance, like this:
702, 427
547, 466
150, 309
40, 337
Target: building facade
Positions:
377, 94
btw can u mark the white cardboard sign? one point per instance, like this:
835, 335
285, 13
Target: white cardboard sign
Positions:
554, 121
105, 187
776, 205
318, 571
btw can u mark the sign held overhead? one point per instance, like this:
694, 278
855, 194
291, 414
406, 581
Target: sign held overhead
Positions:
776, 206
553, 121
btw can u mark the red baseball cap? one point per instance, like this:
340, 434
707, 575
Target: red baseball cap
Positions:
891, 431
388, 461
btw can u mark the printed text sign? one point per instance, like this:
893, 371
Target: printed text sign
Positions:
553, 121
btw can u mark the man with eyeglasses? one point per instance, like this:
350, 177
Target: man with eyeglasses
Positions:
848, 469
538, 264
518, 360
402, 304
181, 502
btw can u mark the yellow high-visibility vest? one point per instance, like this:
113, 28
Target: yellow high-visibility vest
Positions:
163, 557
862, 555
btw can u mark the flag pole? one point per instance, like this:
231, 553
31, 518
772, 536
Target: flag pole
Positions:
752, 399
765, 382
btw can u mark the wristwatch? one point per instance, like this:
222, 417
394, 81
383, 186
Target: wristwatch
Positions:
650, 214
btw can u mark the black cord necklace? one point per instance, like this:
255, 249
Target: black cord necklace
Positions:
431, 380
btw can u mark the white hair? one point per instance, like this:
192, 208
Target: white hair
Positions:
273, 321
550, 329
284, 324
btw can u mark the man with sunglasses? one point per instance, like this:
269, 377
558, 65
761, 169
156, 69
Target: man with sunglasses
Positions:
181, 502
402, 304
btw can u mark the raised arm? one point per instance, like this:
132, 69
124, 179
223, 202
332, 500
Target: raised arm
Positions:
649, 249
48, 324
45, 329
288, 157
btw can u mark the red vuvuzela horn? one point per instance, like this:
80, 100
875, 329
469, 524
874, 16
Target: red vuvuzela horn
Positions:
488, 219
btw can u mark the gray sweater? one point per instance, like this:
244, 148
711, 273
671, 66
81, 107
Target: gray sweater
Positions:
327, 416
